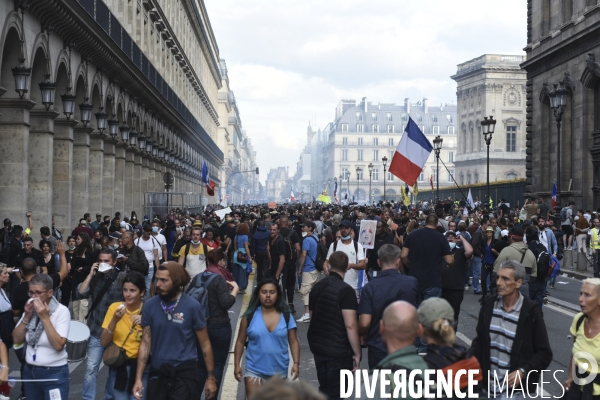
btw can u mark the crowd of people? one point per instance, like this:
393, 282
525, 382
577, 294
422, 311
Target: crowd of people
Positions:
155, 294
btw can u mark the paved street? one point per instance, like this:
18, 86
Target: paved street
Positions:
558, 314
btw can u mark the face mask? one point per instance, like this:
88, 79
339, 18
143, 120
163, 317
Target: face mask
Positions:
104, 267
346, 237
195, 243
452, 245
71, 247
155, 229
114, 246
304, 234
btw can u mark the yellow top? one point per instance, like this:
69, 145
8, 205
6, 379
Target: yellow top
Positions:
582, 343
122, 330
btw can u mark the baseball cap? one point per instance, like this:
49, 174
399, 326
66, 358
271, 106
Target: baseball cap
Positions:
82, 222
516, 231
197, 223
432, 309
115, 235
346, 223
504, 232
449, 232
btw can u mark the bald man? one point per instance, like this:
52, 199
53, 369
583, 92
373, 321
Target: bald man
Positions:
398, 329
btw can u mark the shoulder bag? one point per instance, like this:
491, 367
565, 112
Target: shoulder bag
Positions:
114, 356
241, 257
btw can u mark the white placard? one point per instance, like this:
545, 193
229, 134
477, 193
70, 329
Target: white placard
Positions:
366, 235
221, 213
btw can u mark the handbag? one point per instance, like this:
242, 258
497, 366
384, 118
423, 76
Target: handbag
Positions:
114, 356
241, 257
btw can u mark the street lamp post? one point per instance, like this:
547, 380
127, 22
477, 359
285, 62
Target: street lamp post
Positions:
488, 126
437, 146
385, 160
558, 102
370, 166
348, 178
357, 183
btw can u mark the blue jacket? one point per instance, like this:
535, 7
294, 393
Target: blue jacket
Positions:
259, 240
552, 244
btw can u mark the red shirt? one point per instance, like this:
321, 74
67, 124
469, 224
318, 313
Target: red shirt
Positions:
214, 245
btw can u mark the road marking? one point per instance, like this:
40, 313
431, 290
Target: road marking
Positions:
560, 310
230, 384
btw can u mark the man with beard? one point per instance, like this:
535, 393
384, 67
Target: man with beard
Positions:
173, 326
103, 273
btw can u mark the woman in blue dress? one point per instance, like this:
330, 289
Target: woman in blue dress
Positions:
241, 267
266, 330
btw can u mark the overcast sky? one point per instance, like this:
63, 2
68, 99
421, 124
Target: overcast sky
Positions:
291, 62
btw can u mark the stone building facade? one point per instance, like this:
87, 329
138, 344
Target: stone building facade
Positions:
277, 185
563, 44
239, 154
490, 85
364, 133
151, 67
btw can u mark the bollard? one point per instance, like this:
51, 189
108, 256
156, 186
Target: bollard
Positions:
582, 262
567, 261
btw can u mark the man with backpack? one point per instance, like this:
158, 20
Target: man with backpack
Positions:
356, 254
517, 251
277, 252
307, 267
539, 277
292, 246
566, 225
193, 255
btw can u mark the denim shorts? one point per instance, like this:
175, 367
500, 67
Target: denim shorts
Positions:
261, 378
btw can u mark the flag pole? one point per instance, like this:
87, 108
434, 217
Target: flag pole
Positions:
454, 180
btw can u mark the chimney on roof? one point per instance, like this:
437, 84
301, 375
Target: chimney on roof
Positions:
364, 99
407, 104
425, 104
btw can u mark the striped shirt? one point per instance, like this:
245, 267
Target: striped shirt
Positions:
502, 333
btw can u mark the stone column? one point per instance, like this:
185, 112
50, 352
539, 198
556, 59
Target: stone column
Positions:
62, 174
137, 184
128, 176
151, 175
108, 178
96, 176
144, 182
159, 186
119, 188
41, 156
81, 173
14, 157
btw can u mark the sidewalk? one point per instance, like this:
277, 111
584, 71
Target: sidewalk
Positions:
572, 271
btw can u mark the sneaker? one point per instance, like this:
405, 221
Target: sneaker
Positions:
292, 310
466, 287
471, 281
551, 286
304, 318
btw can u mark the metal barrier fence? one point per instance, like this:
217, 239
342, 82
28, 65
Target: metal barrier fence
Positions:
159, 203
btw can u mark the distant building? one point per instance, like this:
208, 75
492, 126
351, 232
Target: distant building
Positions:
277, 184
490, 85
363, 134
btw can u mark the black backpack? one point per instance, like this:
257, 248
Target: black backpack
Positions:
289, 248
198, 289
321, 254
542, 261
187, 251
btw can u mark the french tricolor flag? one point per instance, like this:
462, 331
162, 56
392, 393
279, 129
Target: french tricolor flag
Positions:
411, 154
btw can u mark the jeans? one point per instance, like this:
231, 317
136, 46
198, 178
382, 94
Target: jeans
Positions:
424, 294
42, 390
537, 291
476, 268
94, 358
328, 374
148, 279
288, 281
220, 340
262, 265
127, 394
375, 356
485, 278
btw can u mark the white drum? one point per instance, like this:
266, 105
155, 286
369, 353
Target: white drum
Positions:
77, 341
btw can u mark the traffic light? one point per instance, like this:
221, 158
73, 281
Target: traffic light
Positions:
256, 170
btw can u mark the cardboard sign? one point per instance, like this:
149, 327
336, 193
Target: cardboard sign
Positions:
272, 204
221, 213
366, 235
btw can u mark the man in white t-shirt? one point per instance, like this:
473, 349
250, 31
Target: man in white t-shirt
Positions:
162, 253
151, 248
356, 257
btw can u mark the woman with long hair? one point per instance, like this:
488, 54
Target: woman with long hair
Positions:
487, 263
170, 234
217, 264
210, 240
122, 328
267, 329
66, 286
81, 262
49, 263
241, 245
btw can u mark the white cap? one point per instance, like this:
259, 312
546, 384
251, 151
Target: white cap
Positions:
504, 232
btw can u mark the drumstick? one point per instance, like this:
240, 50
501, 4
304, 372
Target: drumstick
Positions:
31, 380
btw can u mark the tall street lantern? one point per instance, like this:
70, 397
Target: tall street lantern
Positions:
385, 160
113, 127
68, 100
358, 170
133, 138
370, 166
437, 147
558, 102
488, 126
86, 112
149, 147
142, 143
101, 117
